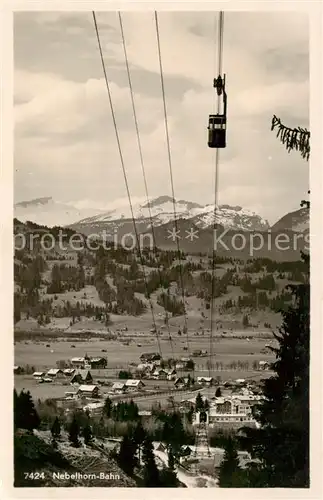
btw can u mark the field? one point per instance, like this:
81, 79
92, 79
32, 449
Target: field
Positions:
250, 348
119, 355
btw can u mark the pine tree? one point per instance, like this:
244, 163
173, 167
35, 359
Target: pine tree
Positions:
189, 415
56, 285
151, 472
173, 433
74, 431
139, 436
133, 410
190, 365
245, 321
56, 429
282, 443
230, 475
17, 307
25, 414
107, 409
168, 477
199, 403
87, 434
126, 457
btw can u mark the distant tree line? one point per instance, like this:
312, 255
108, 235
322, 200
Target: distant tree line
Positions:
257, 301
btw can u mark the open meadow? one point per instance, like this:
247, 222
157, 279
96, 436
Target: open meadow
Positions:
225, 350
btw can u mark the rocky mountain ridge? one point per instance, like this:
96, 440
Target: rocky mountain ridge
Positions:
159, 212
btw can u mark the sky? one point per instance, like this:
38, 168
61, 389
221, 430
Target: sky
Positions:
65, 144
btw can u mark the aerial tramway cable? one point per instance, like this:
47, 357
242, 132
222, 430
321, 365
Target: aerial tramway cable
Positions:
143, 173
217, 122
220, 27
125, 177
142, 163
171, 176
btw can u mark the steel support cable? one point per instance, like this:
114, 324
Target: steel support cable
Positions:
125, 175
216, 187
171, 175
142, 162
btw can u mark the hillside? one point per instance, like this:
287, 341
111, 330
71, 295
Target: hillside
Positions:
69, 289
297, 221
35, 452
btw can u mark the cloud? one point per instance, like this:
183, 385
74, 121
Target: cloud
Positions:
65, 135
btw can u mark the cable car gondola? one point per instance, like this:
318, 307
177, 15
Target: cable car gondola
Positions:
218, 123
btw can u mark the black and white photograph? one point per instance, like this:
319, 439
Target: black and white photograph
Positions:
161, 261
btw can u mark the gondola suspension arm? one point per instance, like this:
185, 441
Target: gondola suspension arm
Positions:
218, 122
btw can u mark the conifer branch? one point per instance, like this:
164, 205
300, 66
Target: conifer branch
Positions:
292, 138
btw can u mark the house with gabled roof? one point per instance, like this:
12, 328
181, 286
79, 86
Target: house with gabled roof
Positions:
89, 391
159, 374
94, 408
145, 369
69, 372
134, 385
205, 381
119, 388
81, 377
56, 374
98, 363
181, 382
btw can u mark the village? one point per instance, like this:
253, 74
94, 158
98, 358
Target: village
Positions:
230, 402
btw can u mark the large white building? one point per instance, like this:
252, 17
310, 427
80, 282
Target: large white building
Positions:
230, 409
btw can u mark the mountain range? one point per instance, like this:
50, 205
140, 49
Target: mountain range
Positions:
49, 212
192, 219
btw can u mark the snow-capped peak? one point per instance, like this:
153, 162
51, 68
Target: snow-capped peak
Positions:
163, 209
